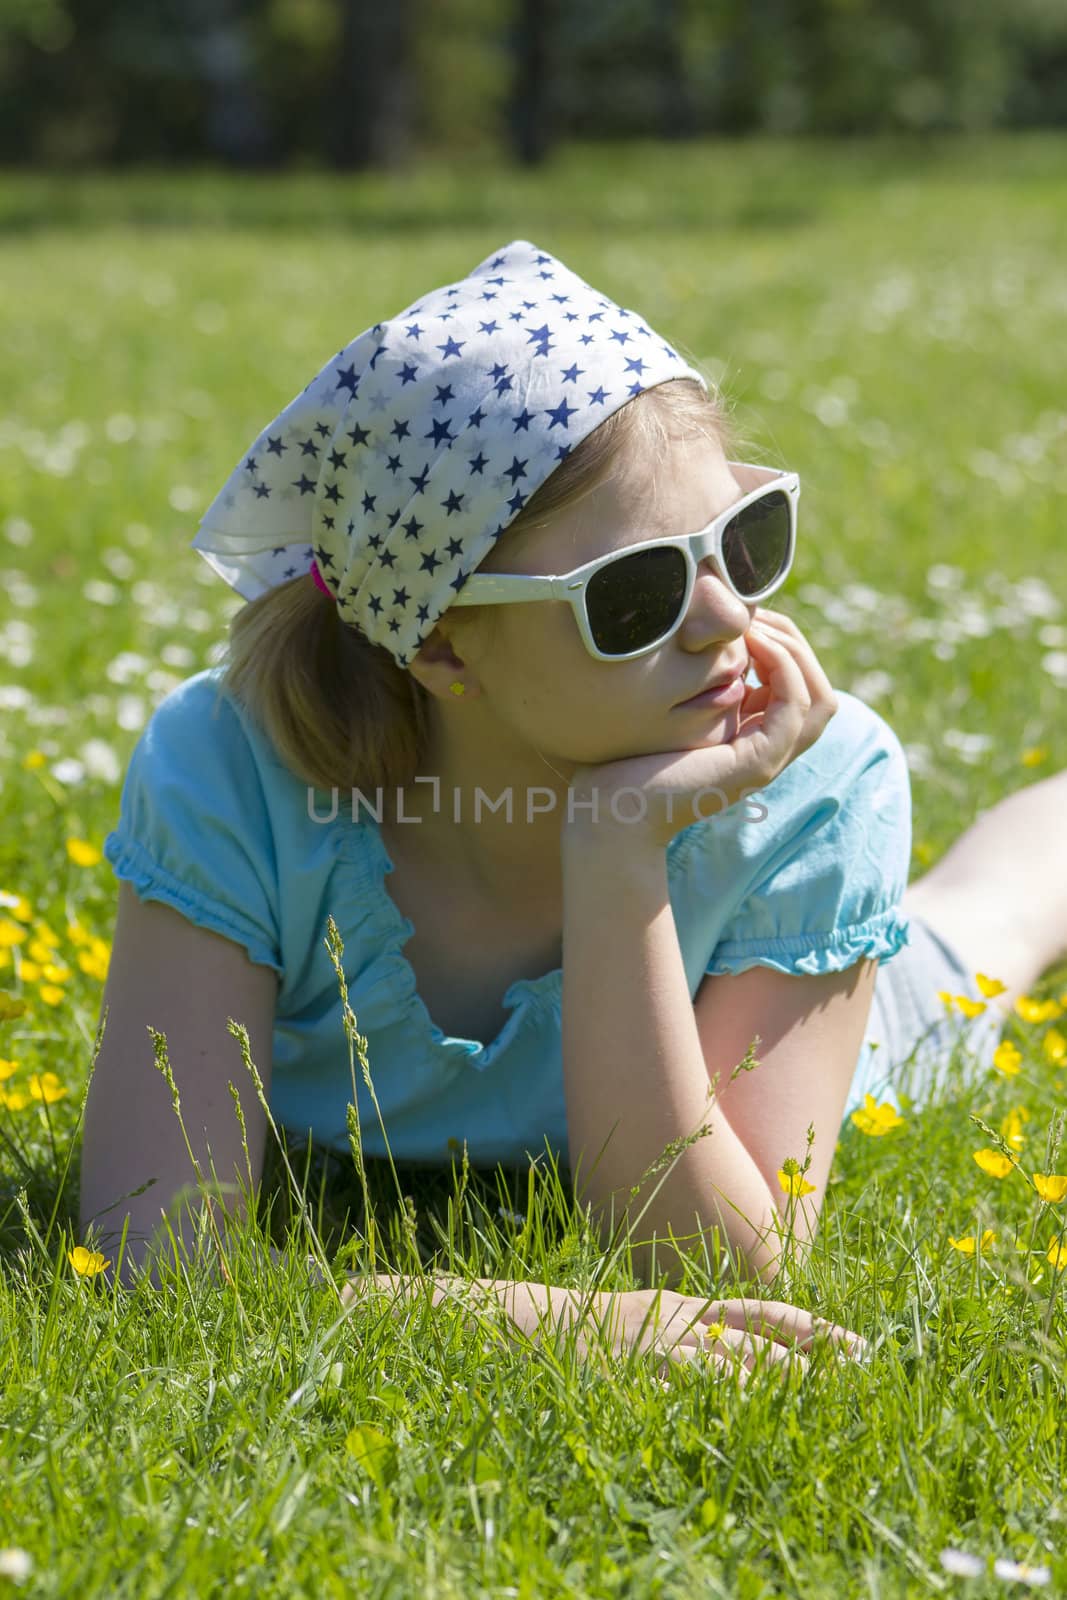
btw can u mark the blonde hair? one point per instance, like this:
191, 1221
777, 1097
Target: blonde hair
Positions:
339, 710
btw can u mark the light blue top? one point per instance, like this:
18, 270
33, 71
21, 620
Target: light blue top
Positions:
806, 877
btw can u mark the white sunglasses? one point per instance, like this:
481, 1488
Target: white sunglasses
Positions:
632, 600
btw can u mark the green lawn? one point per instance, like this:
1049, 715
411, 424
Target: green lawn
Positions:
890, 321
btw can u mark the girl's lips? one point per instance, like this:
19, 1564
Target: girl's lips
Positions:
730, 695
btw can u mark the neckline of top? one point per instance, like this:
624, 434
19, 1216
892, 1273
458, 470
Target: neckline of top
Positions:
362, 843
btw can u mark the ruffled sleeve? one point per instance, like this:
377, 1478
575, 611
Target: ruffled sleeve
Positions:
194, 829
811, 870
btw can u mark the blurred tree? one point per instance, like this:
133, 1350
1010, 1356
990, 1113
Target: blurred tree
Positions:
372, 92
533, 107
359, 84
677, 108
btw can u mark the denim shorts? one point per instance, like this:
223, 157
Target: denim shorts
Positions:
918, 1046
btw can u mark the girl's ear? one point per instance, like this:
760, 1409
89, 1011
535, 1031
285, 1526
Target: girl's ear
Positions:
437, 666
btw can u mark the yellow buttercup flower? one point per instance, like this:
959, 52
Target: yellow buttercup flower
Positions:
1057, 1254
992, 1162
1032, 1010
969, 1007
1034, 755
1054, 1045
50, 993
82, 853
1051, 1186
54, 972
876, 1119
10, 1007
86, 1262
46, 1086
966, 1246
46, 935
1007, 1059
93, 964
76, 933
29, 972
12, 932
17, 904
14, 1099
1011, 1126
946, 998
40, 949
7, 1069
794, 1183
33, 760
989, 986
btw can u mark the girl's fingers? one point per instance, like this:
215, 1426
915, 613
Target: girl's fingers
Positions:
777, 1317
782, 631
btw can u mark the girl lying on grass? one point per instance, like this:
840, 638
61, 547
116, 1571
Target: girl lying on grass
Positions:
507, 701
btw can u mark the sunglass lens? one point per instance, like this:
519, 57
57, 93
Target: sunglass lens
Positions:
755, 545
634, 601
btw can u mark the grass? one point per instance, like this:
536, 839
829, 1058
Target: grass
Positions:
890, 320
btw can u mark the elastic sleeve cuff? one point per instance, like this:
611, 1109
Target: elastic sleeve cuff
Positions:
877, 938
130, 861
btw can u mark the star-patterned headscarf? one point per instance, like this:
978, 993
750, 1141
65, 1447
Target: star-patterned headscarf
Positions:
398, 467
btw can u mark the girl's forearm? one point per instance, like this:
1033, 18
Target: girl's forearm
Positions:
633, 1067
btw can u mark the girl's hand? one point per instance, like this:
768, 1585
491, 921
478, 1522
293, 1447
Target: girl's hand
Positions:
734, 1335
779, 720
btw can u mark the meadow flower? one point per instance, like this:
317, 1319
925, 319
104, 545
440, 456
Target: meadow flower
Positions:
792, 1180
989, 986
14, 1099
7, 1069
969, 1007
17, 904
46, 1086
1021, 1570
86, 1262
12, 932
1056, 1253
94, 961
34, 759
15, 1564
876, 1119
51, 994
1051, 1186
962, 1564
1032, 1010
1011, 1127
1034, 756
1007, 1059
82, 853
1054, 1045
992, 1162
966, 1245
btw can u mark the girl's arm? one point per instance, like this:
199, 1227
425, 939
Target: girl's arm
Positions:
732, 1334
633, 1067
183, 981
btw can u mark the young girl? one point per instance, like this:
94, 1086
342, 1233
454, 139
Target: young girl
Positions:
508, 704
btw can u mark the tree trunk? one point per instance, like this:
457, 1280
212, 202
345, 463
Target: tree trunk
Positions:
678, 119
373, 91
532, 110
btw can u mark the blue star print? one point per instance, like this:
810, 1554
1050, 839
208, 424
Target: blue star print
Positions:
449, 415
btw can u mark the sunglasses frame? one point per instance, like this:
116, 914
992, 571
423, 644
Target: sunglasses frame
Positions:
498, 588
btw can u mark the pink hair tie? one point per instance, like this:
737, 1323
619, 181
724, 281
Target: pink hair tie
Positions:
318, 578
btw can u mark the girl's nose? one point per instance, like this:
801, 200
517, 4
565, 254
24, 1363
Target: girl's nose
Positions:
714, 604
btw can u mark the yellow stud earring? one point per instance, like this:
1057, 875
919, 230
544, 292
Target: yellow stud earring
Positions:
457, 687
